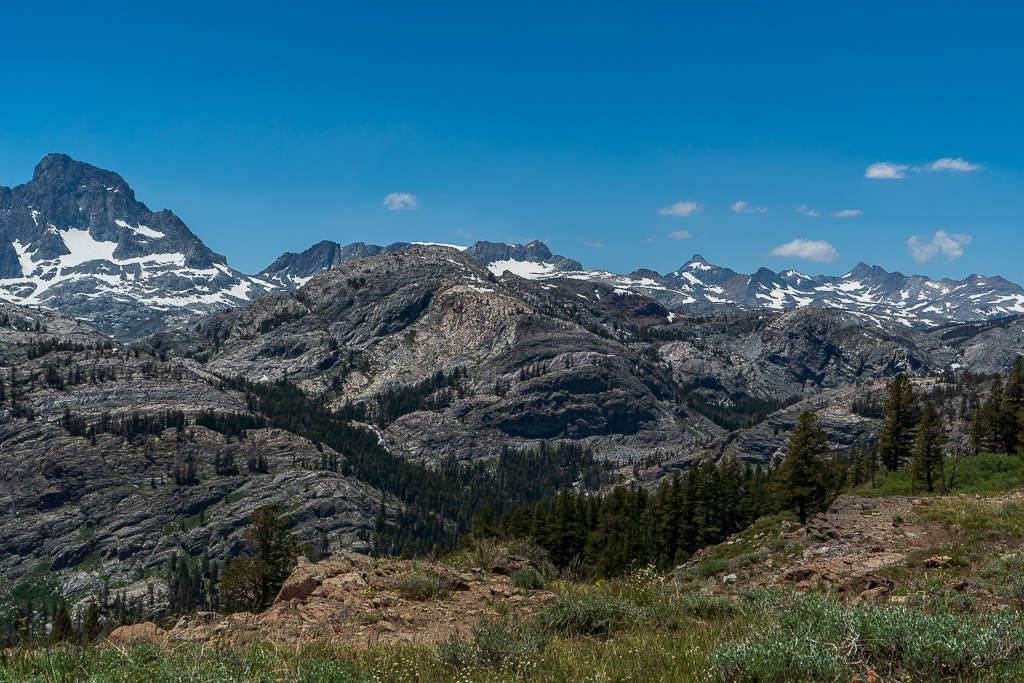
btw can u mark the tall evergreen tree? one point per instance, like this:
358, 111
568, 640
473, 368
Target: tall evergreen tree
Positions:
994, 419
901, 410
927, 458
252, 581
62, 626
799, 479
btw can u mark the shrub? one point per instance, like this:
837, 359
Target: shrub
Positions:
579, 614
705, 570
420, 586
812, 638
528, 578
504, 644
705, 606
324, 671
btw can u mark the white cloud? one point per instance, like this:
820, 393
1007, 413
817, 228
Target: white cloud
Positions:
679, 235
802, 209
946, 164
680, 209
847, 213
588, 243
397, 201
743, 207
886, 169
950, 246
818, 251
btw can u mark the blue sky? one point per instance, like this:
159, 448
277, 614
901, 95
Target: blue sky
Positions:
272, 126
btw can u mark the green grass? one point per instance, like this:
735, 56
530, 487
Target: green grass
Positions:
985, 473
595, 634
977, 519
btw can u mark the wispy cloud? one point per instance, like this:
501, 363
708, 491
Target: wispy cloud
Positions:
680, 209
846, 213
463, 233
804, 210
924, 249
818, 251
886, 169
679, 235
947, 164
588, 243
397, 201
744, 207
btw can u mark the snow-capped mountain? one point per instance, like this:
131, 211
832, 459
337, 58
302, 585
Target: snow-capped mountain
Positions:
868, 292
75, 239
700, 288
290, 271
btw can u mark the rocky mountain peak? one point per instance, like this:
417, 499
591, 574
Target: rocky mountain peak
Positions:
75, 238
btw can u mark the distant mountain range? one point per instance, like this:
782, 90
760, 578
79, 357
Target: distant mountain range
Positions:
75, 239
698, 287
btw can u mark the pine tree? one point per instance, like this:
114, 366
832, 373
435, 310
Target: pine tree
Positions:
252, 581
62, 627
993, 419
901, 411
927, 458
91, 625
976, 433
799, 479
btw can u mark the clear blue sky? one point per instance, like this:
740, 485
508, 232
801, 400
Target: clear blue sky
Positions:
270, 126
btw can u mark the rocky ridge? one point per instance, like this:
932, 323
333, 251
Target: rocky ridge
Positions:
871, 294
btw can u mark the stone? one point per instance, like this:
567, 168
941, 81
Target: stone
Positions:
146, 632
937, 561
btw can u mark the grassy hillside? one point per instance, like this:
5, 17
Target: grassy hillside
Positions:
954, 620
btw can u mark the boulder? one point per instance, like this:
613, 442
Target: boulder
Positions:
510, 564
865, 587
146, 632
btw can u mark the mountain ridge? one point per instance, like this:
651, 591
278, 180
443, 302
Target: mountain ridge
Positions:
77, 240
877, 296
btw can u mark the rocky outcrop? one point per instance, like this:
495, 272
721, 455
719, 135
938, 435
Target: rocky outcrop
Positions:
353, 600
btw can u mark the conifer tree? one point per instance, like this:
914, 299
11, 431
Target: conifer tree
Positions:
253, 580
976, 433
993, 419
799, 479
901, 411
927, 458
62, 627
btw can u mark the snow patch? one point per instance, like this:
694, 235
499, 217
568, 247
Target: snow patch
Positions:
141, 229
440, 244
525, 269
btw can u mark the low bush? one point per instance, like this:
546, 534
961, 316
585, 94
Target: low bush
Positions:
705, 606
420, 586
817, 638
325, 671
704, 570
528, 578
580, 614
496, 644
